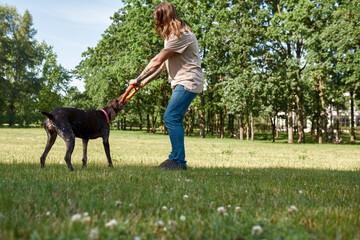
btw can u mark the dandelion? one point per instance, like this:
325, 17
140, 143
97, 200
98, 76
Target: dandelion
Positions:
292, 209
160, 223
238, 209
86, 219
300, 192
112, 223
182, 218
221, 210
48, 213
118, 203
137, 238
86, 214
76, 218
131, 205
171, 209
186, 197
256, 230
164, 208
94, 233
229, 206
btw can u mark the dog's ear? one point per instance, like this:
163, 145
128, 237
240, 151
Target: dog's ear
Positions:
112, 113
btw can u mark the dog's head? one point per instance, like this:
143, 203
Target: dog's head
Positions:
114, 106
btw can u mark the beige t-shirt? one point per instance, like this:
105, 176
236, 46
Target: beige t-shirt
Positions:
184, 67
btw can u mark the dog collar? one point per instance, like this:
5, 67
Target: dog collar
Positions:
107, 116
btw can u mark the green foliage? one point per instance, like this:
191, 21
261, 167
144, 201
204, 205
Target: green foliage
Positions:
30, 77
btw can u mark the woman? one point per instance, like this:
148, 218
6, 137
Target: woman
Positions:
181, 58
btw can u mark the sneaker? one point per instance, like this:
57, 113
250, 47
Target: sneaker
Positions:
164, 163
172, 165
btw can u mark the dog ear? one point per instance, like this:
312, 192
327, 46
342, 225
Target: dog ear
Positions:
112, 113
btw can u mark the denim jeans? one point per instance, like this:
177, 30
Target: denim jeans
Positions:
179, 102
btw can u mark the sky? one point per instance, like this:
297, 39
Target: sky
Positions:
70, 26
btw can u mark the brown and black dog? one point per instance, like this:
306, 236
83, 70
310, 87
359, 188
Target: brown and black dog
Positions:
69, 123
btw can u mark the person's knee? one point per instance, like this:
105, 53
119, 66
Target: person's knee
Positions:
172, 120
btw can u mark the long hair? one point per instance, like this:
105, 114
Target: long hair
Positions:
167, 21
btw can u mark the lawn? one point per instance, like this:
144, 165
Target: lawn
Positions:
232, 190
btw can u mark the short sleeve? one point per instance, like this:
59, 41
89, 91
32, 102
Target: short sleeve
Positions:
179, 45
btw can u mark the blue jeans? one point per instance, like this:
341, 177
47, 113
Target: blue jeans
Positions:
179, 102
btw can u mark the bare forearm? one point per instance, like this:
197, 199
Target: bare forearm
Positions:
149, 71
153, 76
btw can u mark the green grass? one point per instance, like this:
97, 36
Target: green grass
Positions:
262, 178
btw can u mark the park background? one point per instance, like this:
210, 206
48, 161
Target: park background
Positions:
276, 72
288, 66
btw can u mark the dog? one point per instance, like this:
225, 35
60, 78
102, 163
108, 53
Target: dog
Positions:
69, 123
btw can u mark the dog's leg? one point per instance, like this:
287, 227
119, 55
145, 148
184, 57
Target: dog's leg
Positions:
50, 142
107, 150
70, 144
85, 143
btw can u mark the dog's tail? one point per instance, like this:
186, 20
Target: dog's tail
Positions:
45, 113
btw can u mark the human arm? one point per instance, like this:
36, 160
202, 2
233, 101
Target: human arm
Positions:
153, 70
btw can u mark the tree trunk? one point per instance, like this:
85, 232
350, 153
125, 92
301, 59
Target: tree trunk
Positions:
273, 123
337, 123
300, 110
247, 129
141, 120
318, 112
222, 123
231, 125
331, 124
323, 111
252, 126
148, 124
290, 122
153, 118
202, 116
352, 119
277, 128
240, 128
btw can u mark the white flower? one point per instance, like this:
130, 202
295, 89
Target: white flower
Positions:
111, 223
76, 218
137, 238
160, 223
186, 197
292, 209
131, 205
227, 173
118, 203
94, 233
171, 209
182, 218
238, 209
300, 192
164, 208
86, 214
48, 213
221, 210
61, 162
229, 206
86, 219
256, 230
